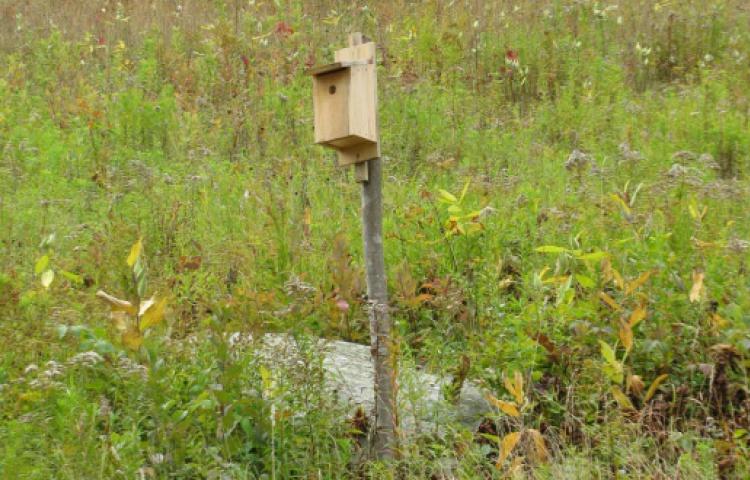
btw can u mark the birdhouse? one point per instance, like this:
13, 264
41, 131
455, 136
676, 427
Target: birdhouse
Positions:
345, 104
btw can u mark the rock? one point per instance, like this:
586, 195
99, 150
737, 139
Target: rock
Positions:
350, 375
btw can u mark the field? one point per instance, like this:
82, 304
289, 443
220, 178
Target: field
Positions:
567, 226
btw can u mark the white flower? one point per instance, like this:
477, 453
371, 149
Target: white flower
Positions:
88, 359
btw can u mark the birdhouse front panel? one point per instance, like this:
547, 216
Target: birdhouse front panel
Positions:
331, 106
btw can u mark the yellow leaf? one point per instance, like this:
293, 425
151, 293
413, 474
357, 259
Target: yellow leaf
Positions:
618, 279
633, 286
635, 384
621, 398
543, 273
621, 202
610, 301
465, 189
120, 320
47, 278
116, 304
701, 244
132, 338
560, 279
515, 386
515, 467
695, 213
542, 454
145, 305
135, 252
153, 314
505, 283
636, 317
506, 447
307, 219
696, 291
654, 386
506, 407
626, 336
717, 321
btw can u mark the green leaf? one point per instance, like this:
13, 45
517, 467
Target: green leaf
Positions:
463, 192
608, 353
265, 377
612, 369
551, 249
47, 278
595, 256
73, 277
584, 281
141, 286
41, 264
447, 196
454, 209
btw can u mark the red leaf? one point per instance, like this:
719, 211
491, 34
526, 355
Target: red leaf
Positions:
283, 29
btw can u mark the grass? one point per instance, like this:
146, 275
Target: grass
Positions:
603, 150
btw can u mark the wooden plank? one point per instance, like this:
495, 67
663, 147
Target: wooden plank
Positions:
363, 93
331, 93
357, 154
332, 67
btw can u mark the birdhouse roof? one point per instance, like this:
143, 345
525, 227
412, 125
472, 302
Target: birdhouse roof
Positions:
333, 67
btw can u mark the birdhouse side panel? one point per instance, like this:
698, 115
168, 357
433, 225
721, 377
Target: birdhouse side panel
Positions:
331, 93
363, 90
362, 103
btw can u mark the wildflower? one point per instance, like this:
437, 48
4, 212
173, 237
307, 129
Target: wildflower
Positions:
54, 369
487, 211
683, 155
86, 359
677, 170
577, 161
708, 160
736, 245
283, 29
296, 287
511, 58
130, 367
629, 154
342, 305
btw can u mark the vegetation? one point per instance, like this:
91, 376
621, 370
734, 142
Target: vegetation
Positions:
567, 225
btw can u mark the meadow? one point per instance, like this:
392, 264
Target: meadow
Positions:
567, 220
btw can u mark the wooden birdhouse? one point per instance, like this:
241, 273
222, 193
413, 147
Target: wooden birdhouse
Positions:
345, 104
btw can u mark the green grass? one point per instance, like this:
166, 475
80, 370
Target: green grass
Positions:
197, 138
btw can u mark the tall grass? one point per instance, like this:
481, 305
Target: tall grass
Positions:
614, 136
